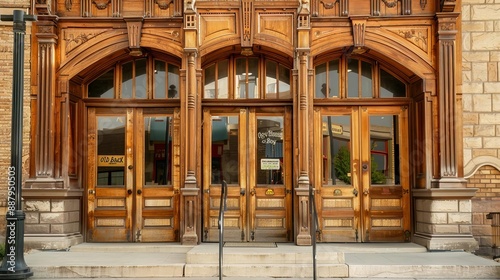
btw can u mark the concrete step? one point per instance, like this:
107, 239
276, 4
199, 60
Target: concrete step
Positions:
334, 261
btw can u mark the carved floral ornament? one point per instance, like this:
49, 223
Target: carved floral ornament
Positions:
163, 4
101, 4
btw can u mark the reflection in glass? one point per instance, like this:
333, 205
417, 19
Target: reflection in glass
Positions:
390, 86
209, 84
173, 81
284, 82
384, 146
160, 77
366, 79
246, 80
103, 87
222, 79
270, 150
336, 150
352, 78
320, 85
127, 69
140, 79
333, 78
110, 150
225, 134
271, 80
158, 150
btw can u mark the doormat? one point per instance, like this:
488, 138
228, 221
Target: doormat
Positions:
251, 244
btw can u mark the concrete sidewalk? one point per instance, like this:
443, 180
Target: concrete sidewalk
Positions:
172, 261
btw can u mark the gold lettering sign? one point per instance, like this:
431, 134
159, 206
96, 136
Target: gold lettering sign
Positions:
111, 160
269, 192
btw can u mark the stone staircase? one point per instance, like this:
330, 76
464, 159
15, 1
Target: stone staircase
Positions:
286, 261
337, 261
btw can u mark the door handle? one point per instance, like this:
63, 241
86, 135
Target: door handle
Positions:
366, 192
139, 191
91, 191
129, 191
242, 192
130, 167
252, 192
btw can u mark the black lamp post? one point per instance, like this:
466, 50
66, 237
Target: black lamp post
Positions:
13, 265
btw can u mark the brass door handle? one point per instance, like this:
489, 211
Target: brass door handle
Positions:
91, 191
366, 192
139, 191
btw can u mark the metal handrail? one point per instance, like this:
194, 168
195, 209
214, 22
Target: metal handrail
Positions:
222, 209
314, 226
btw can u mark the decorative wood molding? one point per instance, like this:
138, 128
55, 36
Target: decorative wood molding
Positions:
448, 5
74, 38
358, 32
418, 36
134, 28
42, 7
101, 4
447, 95
247, 15
68, 4
163, 4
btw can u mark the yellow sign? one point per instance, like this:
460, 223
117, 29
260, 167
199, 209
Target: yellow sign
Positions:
111, 160
269, 192
335, 128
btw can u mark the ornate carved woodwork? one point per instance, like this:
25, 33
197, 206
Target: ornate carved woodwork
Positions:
447, 98
247, 16
43, 7
447, 5
325, 8
358, 31
134, 28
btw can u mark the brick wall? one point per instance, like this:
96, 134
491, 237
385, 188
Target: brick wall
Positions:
6, 61
487, 180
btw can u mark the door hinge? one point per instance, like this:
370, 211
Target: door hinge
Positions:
206, 191
252, 235
288, 191
356, 233
90, 235
242, 235
205, 234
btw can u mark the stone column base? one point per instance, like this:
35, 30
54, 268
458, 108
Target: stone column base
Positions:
446, 242
51, 242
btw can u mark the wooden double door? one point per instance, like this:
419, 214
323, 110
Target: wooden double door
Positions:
132, 191
249, 149
361, 173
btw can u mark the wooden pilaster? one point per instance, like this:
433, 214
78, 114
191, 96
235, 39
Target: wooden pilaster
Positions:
302, 190
449, 141
44, 175
191, 190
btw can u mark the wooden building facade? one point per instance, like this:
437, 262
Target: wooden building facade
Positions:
141, 109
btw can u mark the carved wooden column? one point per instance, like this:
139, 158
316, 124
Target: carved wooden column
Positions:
44, 175
302, 64
191, 191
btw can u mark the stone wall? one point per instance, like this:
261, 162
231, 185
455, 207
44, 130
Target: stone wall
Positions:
6, 70
481, 83
487, 180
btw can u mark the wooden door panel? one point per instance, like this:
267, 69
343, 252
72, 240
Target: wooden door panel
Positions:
269, 214
156, 192
337, 168
109, 203
386, 181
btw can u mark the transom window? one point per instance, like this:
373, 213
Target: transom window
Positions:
246, 78
142, 78
356, 78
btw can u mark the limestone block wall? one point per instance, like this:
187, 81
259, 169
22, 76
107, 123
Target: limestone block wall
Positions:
6, 70
481, 109
481, 82
57, 217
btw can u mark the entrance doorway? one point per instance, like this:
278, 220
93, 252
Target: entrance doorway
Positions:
250, 149
131, 194
361, 174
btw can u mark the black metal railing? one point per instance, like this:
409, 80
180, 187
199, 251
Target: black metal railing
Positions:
314, 227
222, 209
